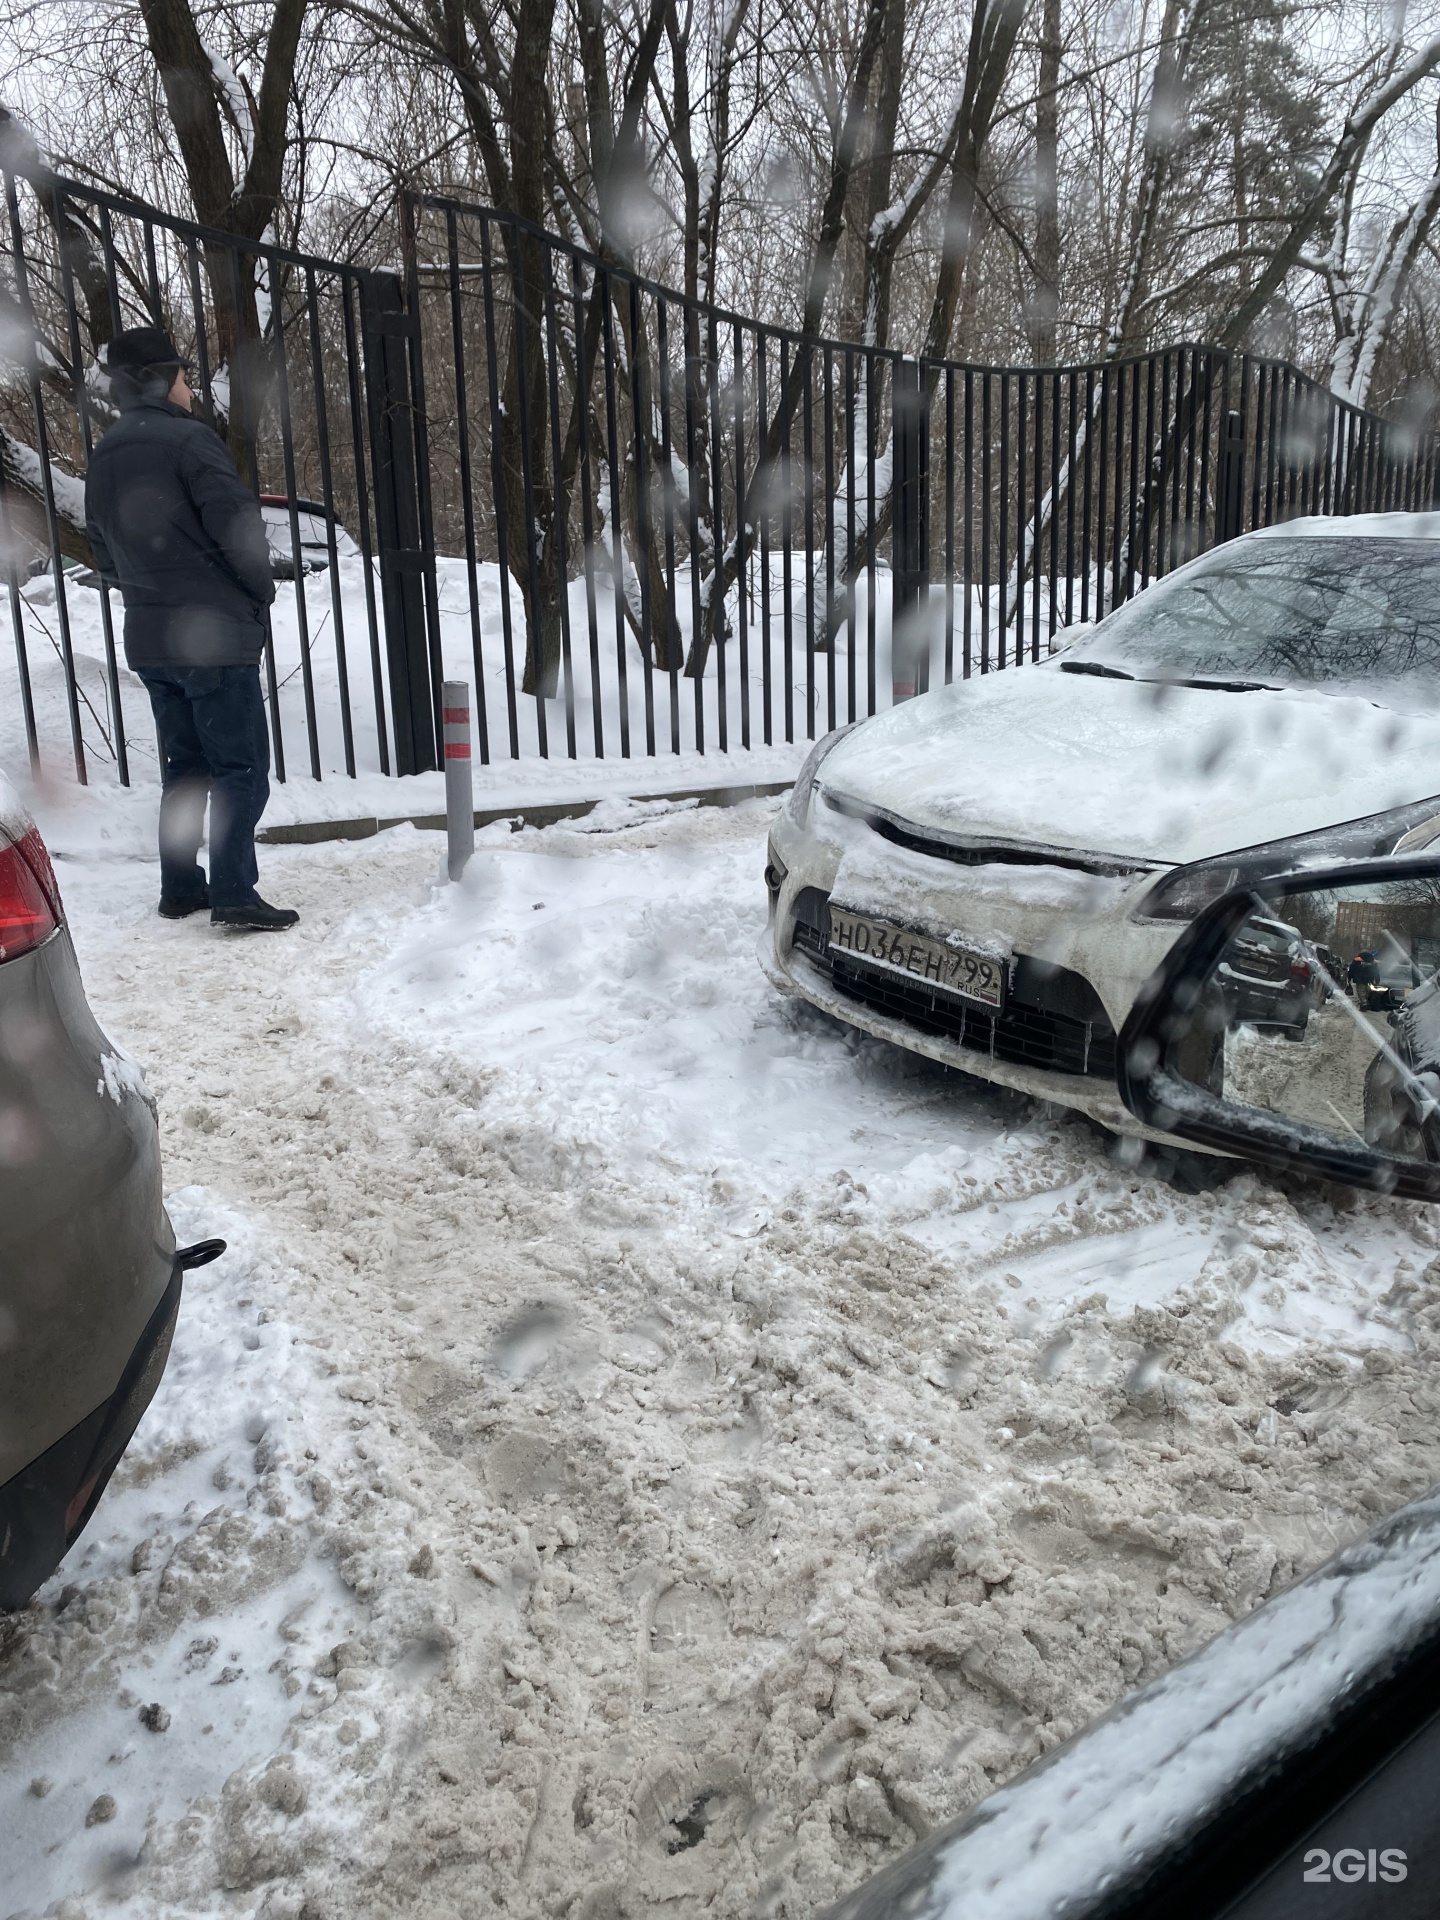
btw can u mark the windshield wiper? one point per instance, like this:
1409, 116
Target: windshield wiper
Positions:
1096, 667
1228, 686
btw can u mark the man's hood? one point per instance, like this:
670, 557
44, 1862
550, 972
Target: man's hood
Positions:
1141, 771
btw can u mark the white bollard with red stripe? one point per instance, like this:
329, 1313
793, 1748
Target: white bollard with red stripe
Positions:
459, 786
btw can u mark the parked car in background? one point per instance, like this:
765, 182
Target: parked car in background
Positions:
312, 521
987, 874
1271, 977
90, 1276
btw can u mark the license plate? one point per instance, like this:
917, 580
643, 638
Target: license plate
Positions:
957, 970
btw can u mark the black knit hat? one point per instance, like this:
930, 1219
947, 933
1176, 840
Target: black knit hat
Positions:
138, 349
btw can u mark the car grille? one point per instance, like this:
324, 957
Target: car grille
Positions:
1027, 1033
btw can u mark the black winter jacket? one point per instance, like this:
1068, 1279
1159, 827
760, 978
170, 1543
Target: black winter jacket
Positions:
175, 530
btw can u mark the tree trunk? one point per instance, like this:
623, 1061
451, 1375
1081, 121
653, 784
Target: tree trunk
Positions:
993, 33
1045, 298
243, 208
1162, 128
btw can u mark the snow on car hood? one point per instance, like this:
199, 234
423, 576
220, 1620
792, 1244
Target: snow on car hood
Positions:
1132, 768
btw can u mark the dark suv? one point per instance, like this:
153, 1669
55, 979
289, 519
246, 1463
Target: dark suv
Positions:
1271, 977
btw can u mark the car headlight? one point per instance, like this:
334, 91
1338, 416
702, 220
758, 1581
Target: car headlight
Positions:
798, 805
1187, 891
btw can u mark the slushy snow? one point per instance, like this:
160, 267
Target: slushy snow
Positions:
648, 1447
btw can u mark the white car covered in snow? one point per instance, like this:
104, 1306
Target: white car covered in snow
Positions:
987, 874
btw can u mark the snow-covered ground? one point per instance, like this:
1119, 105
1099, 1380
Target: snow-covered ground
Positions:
647, 1448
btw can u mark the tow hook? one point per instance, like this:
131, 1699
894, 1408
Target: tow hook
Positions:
200, 1255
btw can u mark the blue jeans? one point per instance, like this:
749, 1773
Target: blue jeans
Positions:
211, 722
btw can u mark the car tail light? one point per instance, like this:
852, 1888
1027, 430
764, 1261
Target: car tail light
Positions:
29, 897
1300, 970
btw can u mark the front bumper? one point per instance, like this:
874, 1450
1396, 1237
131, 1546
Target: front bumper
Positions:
1078, 968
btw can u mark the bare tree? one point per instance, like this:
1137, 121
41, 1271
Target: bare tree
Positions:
205, 95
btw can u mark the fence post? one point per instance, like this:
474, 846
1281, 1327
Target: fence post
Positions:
909, 633
459, 784
388, 334
1230, 517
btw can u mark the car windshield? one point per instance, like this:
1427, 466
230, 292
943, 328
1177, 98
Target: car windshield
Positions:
1347, 614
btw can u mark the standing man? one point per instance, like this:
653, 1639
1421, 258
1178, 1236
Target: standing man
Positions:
174, 529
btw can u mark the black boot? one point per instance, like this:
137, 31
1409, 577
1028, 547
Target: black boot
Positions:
255, 917
178, 909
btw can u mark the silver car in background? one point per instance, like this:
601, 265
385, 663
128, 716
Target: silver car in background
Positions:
90, 1275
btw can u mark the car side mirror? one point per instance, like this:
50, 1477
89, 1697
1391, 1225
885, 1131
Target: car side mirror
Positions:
1297, 1022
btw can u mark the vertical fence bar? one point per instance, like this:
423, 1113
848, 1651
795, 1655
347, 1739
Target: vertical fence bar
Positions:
764, 502
82, 411
1087, 550
851, 686
1037, 508
1037, 547
807, 452
1117, 533
667, 504
640, 466
717, 616
828, 407
742, 536
1157, 468
467, 478
1133, 490
362, 495
986, 496
907, 394
302, 610
872, 538
559, 504
1002, 570
1022, 528
1053, 614
617, 551
1272, 449
583, 377
327, 495
949, 525
536, 665
1071, 396
47, 475
1200, 385
966, 611
396, 460
497, 482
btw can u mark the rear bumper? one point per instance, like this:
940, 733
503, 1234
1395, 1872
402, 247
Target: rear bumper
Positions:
45, 1507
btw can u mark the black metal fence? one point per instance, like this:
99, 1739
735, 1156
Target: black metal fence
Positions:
307, 368
642, 525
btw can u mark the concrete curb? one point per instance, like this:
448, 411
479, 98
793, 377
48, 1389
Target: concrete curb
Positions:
311, 832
